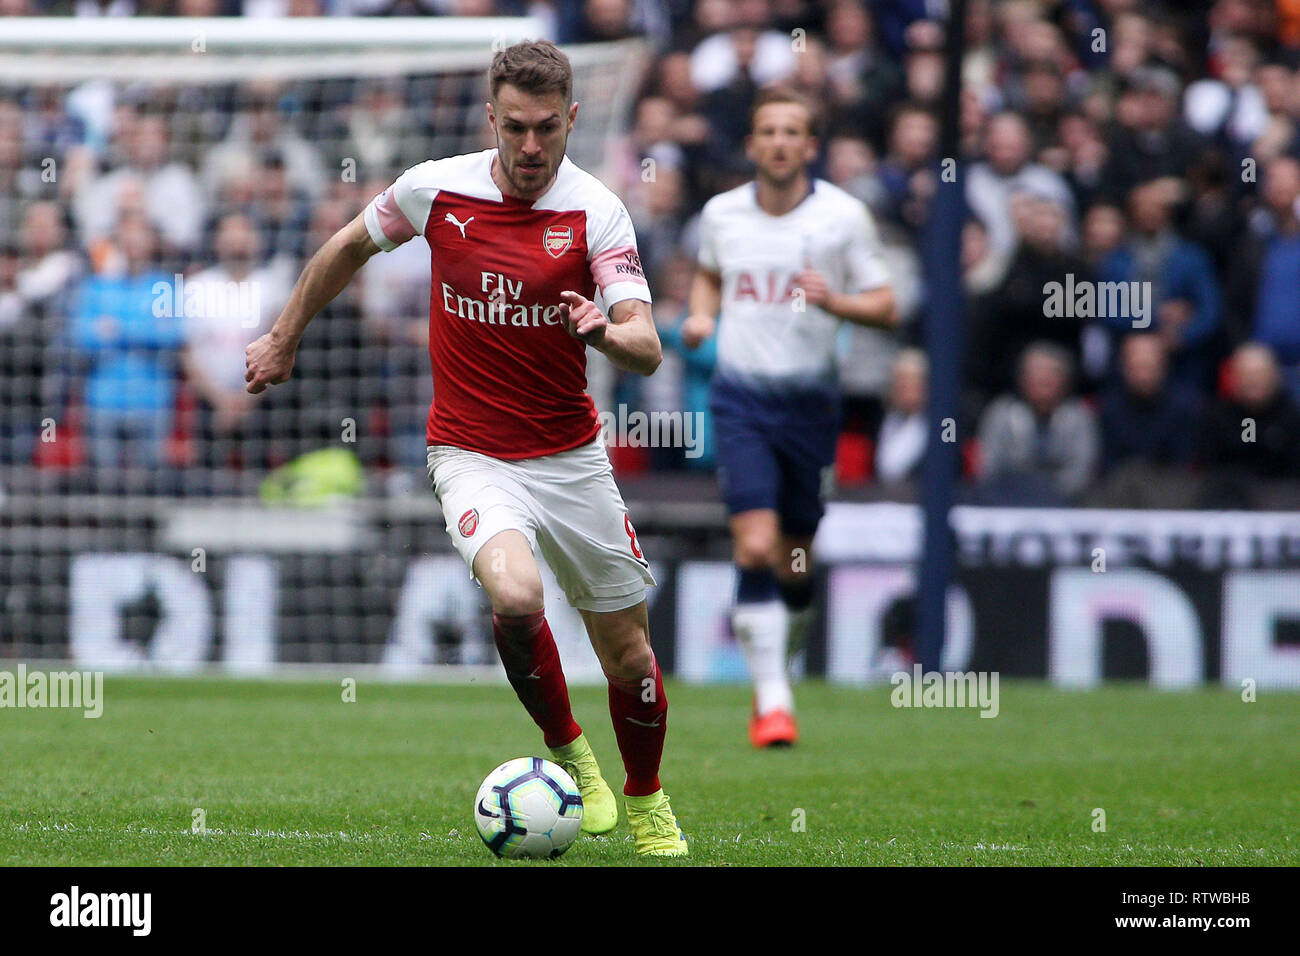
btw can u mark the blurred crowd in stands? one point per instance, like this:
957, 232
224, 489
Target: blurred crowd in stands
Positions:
1103, 142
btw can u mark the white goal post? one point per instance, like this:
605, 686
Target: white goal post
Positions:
66, 52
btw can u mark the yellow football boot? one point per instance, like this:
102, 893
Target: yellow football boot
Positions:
599, 809
654, 826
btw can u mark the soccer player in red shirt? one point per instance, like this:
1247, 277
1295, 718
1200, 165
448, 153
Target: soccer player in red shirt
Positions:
522, 242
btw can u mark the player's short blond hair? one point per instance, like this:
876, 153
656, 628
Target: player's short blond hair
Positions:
786, 94
537, 67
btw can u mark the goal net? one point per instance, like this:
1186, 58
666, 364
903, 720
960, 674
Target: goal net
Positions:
162, 182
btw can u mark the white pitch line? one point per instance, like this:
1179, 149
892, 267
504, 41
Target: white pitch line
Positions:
299, 835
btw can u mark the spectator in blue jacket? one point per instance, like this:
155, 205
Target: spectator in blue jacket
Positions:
1146, 419
1184, 295
126, 328
1274, 260
696, 364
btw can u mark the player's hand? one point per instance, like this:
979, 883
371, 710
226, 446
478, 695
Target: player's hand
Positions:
268, 361
815, 290
582, 319
698, 328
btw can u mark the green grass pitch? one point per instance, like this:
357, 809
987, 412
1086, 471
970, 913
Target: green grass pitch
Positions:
286, 773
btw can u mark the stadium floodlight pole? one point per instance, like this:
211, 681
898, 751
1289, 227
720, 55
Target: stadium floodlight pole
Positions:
943, 327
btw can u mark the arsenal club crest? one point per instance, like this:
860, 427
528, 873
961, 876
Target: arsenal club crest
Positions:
468, 523
557, 240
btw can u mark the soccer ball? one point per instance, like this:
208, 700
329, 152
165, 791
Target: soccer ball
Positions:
528, 807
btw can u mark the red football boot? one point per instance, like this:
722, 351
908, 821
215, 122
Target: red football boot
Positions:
776, 728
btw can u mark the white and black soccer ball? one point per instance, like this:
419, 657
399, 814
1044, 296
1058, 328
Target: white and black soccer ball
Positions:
528, 807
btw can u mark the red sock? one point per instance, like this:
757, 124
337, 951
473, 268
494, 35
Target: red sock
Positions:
640, 713
532, 664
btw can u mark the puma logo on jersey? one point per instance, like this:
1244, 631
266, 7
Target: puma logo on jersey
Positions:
457, 223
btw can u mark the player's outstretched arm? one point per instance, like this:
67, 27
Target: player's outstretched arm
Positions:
627, 337
269, 359
702, 308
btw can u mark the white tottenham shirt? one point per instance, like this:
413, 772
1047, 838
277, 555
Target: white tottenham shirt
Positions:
763, 334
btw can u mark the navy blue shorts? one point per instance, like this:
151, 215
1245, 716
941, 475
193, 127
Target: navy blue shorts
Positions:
776, 449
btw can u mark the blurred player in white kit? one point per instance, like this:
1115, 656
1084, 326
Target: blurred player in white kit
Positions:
783, 260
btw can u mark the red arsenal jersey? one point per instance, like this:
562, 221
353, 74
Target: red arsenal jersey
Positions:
508, 380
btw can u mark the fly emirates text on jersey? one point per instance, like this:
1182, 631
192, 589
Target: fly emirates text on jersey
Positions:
500, 304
